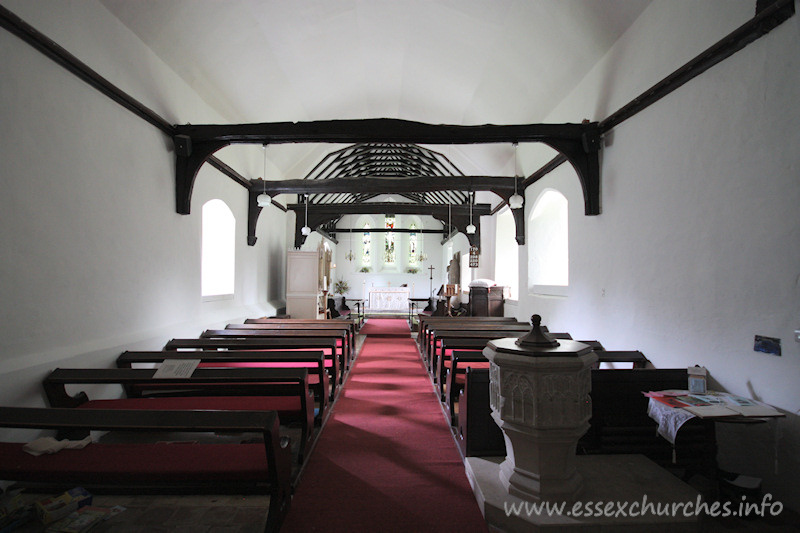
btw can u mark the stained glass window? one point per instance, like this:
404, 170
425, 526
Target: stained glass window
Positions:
366, 241
389, 247
412, 246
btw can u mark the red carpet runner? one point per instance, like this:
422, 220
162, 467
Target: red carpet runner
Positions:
386, 460
386, 327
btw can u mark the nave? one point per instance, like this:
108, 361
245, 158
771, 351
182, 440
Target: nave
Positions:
380, 456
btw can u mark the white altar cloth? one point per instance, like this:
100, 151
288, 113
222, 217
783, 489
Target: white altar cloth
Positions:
389, 298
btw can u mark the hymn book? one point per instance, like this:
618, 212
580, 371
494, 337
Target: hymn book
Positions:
176, 368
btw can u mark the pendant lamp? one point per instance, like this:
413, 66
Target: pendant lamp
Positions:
471, 227
305, 230
350, 255
449, 216
264, 200
516, 200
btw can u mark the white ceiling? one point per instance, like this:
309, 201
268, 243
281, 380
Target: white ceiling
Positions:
436, 61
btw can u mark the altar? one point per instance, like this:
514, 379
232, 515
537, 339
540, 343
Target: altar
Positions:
388, 299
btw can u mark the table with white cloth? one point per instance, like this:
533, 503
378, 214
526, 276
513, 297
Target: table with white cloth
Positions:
730, 408
388, 299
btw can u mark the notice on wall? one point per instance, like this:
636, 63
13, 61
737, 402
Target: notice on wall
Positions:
176, 368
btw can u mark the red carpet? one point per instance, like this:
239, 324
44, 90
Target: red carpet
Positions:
386, 327
386, 460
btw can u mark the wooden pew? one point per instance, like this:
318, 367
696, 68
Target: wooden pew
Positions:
477, 433
347, 339
314, 361
619, 422
473, 357
338, 337
425, 322
447, 347
460, 362
440, 354
635, 357
454, 324
284, 391
155, 468
467, 331
351, 323
328, 345
457, 343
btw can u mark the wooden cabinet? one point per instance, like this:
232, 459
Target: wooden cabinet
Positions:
302, 284
486, 301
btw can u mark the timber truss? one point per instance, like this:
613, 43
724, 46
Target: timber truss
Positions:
347, 180
386, 159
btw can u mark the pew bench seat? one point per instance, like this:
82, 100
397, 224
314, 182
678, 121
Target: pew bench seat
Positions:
315, 381
160, 467
284, 391
138, 465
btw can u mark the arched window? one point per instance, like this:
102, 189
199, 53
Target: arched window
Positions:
366, 245
218, 250
413, 246
548, 248
390, 253
506, 265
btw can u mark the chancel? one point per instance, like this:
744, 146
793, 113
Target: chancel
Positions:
359, 221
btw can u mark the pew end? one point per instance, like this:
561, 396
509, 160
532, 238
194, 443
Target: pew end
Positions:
477, 433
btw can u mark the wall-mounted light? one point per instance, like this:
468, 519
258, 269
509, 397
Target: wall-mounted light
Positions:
516, 200
264, 200
305, 230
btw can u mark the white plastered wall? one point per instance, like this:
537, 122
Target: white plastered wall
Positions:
696, 249
95, 258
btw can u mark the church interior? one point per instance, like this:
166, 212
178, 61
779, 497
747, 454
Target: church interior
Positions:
179, 170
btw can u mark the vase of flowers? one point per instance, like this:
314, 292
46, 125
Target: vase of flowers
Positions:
341, 287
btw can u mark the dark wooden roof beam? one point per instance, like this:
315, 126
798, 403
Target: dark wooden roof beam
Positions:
389, 185
457, 215
194, 144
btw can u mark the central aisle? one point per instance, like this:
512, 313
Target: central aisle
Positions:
386, 460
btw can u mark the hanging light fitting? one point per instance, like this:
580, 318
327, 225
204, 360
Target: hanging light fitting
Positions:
264, 200
516, 200
305, 230
350, 256
449, 216
471, 228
